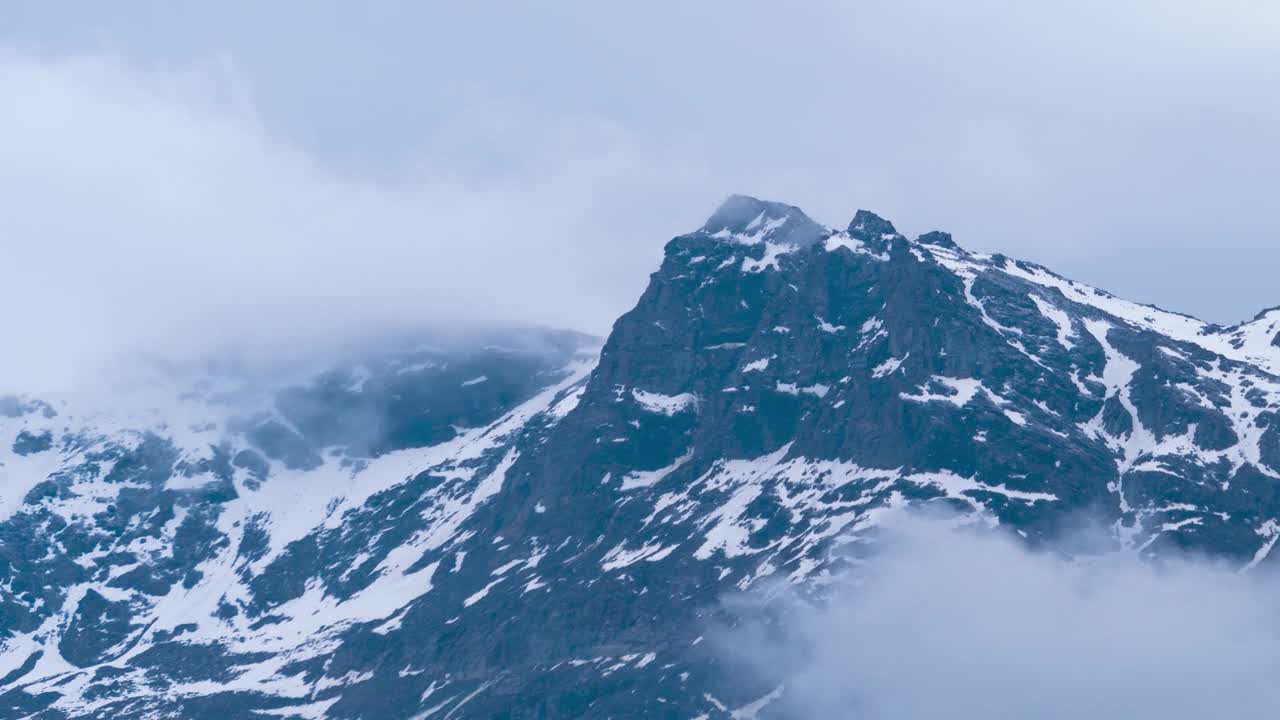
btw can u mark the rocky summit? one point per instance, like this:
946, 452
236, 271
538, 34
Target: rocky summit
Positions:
532, 524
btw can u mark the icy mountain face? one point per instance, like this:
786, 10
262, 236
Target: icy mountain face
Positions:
550, 535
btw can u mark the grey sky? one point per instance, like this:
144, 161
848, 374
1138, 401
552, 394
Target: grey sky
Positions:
526, 161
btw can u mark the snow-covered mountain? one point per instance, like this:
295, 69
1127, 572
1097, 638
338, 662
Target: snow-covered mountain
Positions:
529, 525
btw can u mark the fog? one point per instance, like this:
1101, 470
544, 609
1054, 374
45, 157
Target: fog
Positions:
134, 221
951, 622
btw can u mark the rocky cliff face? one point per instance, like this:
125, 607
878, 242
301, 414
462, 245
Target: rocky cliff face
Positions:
509, 532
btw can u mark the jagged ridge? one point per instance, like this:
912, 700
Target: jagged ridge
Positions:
778, 387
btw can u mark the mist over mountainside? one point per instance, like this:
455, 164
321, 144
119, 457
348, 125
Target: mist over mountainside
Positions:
529, 524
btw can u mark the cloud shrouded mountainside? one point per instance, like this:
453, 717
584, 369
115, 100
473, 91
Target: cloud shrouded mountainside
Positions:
529, 523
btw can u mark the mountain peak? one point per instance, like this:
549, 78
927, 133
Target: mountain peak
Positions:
939, 238
867, 225
790, 399
751, 219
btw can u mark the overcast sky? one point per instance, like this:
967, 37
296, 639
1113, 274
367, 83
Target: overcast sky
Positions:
178, 170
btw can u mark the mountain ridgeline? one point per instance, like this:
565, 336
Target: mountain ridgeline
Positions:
530, 525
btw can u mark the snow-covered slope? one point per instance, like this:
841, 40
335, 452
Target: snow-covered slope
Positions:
182, 511
515, 534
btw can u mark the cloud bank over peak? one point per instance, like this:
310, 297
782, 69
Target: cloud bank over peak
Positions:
143, 213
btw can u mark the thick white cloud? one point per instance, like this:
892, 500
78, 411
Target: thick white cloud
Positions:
138, 219
953, 623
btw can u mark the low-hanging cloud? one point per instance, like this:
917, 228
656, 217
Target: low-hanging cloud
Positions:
948, 622
140, 214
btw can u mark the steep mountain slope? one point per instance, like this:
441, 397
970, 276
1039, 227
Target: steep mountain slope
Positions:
354, 551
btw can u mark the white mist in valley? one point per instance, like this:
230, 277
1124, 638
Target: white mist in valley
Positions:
948, 621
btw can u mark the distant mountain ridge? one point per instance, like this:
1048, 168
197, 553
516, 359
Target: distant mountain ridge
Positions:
536, 526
